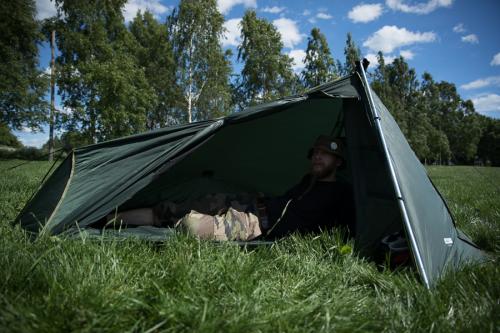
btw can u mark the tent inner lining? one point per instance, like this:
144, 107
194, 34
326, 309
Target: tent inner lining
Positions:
267, 154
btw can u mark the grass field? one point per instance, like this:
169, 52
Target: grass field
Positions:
303, 284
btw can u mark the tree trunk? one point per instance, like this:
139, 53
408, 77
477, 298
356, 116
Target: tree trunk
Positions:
189, 96
190, 105
52, 96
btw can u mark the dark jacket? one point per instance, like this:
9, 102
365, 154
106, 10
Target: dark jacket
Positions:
313, 207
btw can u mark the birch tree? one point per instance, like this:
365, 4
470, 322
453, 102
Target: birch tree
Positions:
319, 65
155, 55
352, 54
100, 80
267, 73
22, 84
196, 28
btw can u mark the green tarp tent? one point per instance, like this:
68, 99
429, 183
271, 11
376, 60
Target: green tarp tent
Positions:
264, 149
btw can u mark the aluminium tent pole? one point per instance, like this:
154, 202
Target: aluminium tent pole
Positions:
397, 188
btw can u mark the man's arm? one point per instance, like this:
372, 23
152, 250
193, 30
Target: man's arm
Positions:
275, 208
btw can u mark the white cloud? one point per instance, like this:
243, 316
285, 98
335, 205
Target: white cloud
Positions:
45, 9
225, 6
487, 103
407, 54
232, 36
365, 13
133, 6
389, 38
298, 57
65, 110
470, 39
481, 83
459, 28
306, 12
372, 58
312, 20
273, 10
496, 60
36, 142
31, 138
419, 8
25, 129
324, 16
388, 59
289, 31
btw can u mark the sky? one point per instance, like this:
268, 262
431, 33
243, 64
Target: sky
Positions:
455, 40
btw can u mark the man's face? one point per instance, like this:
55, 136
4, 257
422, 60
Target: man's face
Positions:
324, 164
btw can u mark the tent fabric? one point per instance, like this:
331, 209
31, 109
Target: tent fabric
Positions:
262, 149
258, 155
429, 217
377, 212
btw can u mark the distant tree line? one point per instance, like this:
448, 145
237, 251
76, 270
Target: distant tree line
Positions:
117, 79
439, 125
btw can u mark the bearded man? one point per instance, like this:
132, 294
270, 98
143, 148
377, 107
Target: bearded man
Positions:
319, 201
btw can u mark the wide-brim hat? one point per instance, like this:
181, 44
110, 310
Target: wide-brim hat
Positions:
329, 144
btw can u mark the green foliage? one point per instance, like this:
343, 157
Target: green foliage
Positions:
439, 147
302, 284
438, 124
489, 144
7, 138
61, 147
22, 84
73, 139
117, 80
203, 68
267, 73
216, 98
319, 65
154, 53
457, 119
99, 79
23, 153
352, 54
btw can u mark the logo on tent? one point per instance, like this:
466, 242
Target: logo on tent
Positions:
448, 241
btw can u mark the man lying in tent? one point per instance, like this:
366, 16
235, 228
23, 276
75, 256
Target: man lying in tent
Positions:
318, 202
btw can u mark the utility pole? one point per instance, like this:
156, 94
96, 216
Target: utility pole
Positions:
52, 95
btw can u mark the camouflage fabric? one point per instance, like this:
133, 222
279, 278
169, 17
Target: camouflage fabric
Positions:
168, 212
233, 225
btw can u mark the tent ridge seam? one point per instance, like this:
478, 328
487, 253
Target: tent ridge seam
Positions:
65, 189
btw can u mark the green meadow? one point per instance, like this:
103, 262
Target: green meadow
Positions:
300, 284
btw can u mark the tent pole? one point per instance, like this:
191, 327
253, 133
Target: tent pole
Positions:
397, 188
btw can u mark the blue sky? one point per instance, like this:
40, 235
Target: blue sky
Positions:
455, 40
